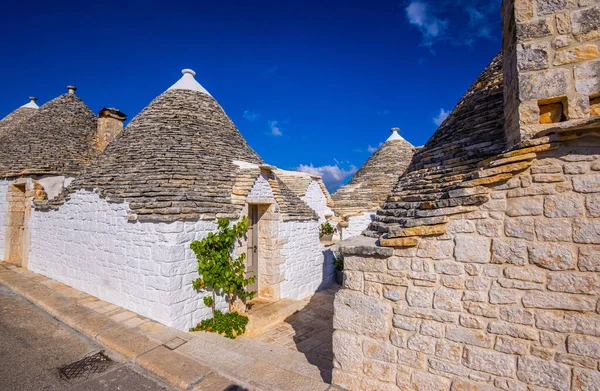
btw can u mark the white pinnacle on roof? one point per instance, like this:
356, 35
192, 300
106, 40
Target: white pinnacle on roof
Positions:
395, 135
187, 82
31, 104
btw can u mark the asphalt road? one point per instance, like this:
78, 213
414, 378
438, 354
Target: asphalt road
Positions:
34, 345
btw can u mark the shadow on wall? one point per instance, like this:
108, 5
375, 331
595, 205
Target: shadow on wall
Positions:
313, 331
328, 270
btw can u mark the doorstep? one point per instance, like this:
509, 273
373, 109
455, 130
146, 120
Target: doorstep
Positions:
263, 314
188, 361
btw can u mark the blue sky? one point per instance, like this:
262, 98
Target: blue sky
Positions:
314, 85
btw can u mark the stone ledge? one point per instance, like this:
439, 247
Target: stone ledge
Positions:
362, 245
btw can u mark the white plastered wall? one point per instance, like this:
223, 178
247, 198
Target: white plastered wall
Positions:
357, 224
145, 267
315, 198
308, 264
3, 214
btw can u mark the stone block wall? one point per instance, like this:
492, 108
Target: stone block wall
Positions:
551, 63
307, 264
357, 224
315, 198
506, 297
145, 267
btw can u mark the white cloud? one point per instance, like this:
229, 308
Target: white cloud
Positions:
373, 149
333, 176
463, 21
251, 115
274, 127
441, 117
420, 15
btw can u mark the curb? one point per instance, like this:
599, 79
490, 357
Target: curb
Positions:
174, 368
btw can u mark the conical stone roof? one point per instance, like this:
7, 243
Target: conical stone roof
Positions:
58, 139
369, 187
472, 133
18, 116
175, 160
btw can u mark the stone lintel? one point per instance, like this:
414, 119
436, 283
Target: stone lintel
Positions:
362, 245
260, 201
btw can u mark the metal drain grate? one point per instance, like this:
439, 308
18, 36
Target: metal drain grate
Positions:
96, 363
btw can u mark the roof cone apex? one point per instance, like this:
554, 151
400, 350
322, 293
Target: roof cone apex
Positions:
395, 135
188, 82
31, 104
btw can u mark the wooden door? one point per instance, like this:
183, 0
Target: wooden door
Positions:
252, 253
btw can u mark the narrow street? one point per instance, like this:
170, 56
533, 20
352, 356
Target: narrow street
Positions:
34, 346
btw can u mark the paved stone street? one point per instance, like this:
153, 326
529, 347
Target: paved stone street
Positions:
34, 345
308, 331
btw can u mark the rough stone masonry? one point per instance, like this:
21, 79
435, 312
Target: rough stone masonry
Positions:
482, 269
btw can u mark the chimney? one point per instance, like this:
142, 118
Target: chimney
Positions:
110, 124
32, 99
551, 67
71, 89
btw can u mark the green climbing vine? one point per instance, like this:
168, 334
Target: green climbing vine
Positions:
220, 271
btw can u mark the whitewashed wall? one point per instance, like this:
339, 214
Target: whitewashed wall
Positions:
357, 224
145, 267
308, 264
261, 188
3, 214
315, 198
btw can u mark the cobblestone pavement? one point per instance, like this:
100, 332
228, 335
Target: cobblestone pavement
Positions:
308, 331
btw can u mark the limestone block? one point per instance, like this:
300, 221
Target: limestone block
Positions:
398, 242
489, 228
586, 231
588, 284
516, 315
553, 230
536, 28
406, 323
380, 370
448, 350
587, 77
524, 274
469, 337
472, 249
435, 249
421, 343
563, 205
558, 301
419, 296
512, 330
502, 296
589, 259
585, 24
379, 350
509, 251
532, 56
535, 371
585, 380
347, 349
587, 184
426, 382
353, 280
426, 313
551, 113
584, 346
551, 256
568, 322
561, 41
481, 309
577, 54
471, 322
519, 228
549, 7
437, 366
488, 361
365, 264
460, 226
447, 299
449, 267
511, 345
592, 205
550, 83
411, 358
530, 206
360, 314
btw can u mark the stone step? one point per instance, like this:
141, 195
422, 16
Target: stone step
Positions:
263, 315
